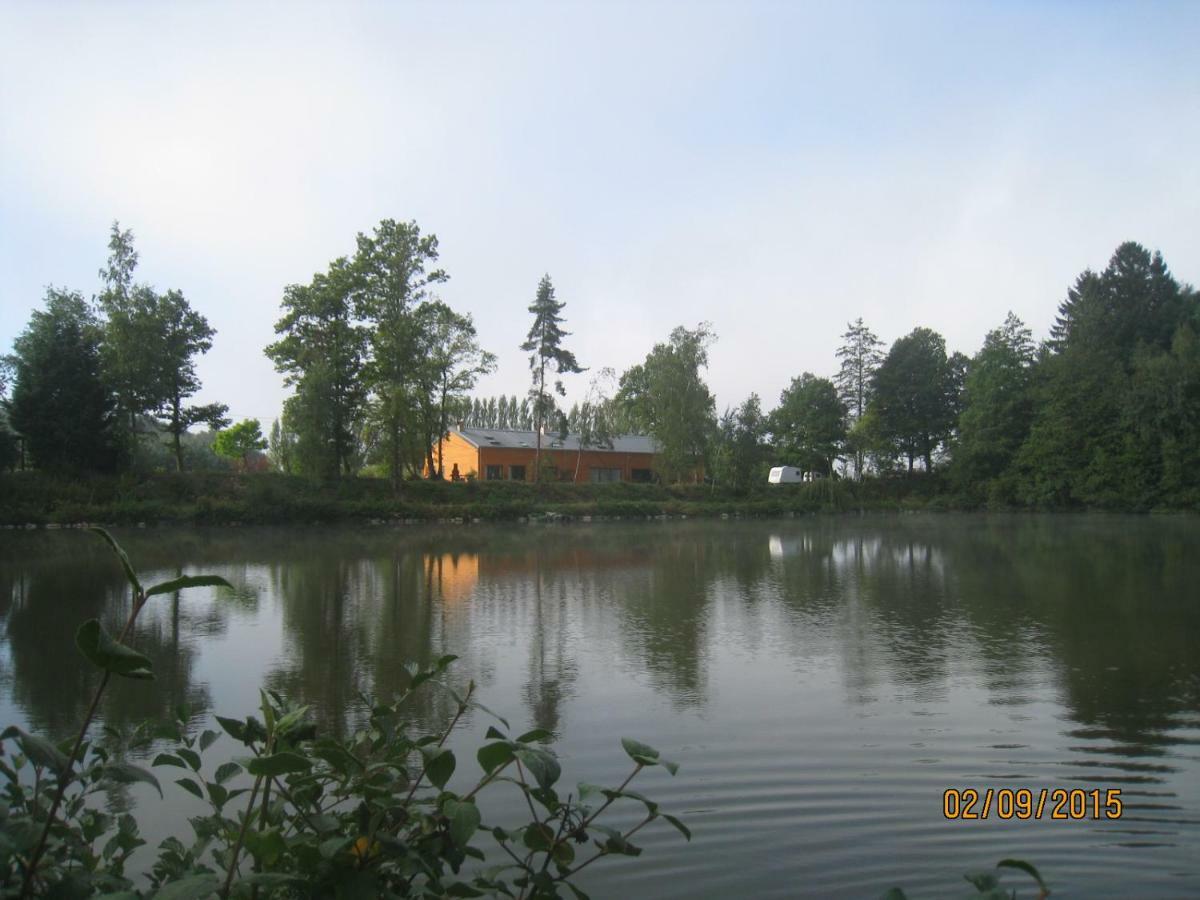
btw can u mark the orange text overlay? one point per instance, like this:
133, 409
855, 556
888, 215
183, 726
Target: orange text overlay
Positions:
1046, 803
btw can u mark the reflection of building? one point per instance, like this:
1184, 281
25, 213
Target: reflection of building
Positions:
453, 574
494, 454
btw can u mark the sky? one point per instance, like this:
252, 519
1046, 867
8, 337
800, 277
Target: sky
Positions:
775, 169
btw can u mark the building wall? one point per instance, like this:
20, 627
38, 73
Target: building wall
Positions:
456, 450
565, 461
476, 459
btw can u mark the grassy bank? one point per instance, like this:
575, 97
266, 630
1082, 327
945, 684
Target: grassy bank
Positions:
268, 498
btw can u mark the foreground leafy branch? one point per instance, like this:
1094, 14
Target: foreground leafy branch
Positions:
370, 815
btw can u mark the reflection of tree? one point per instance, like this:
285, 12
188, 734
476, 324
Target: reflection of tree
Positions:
324, 632
67, 579
665, 615
552, 672
1110, 601
1100, 603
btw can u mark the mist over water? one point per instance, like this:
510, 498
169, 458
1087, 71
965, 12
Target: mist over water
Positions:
822, 682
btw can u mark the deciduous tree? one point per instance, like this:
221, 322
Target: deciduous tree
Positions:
809, 424
665, 396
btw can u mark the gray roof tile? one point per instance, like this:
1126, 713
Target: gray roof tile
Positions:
499, 437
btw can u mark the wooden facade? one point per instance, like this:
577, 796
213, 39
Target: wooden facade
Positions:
494, 455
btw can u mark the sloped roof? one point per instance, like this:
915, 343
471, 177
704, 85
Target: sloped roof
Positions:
500, 437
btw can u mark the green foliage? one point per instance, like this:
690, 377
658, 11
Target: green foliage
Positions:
998, 409
860, 356
544, 344
810, 424
149, 349
370, 815
740, 453
60, 402
394, 272
451, 362
240, 441
1114, 394
916, 396
666, 397
322, 352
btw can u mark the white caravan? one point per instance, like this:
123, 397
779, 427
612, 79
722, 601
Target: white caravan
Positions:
785, 475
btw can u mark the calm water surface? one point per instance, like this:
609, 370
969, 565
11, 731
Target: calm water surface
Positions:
822, 682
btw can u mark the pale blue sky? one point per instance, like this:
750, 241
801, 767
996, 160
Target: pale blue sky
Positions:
774, 168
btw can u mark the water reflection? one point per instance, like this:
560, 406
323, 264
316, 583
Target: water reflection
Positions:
1019, 647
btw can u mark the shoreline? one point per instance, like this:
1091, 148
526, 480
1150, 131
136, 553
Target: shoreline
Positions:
30, 501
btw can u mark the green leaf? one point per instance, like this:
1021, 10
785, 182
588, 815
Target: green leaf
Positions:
128, 773
278, 764
225, 771
439, 765
331, 847
495, 733
266, 846
125, 563
187, 581
233, 727
37, 750
464, 821
983, 881
541, 765
616, 842
492, 756
168, 759
538, 836
190, 786
538, 734
579, 895
637, 748
191, 757
1025, 867
96, 644
207, 739
894, 894
194, 887
563, 853
217, 794
679, 826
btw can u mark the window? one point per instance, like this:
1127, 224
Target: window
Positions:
605, 475
642, 476
493, 473
516, 473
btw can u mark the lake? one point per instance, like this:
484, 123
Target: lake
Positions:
821, 681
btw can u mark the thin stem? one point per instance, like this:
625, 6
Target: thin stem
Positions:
608, 801
237, 847
67, 774
462, 708
525, 785
630, 833
488, 779
562, 824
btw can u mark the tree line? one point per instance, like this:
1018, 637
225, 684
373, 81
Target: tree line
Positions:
89, 381
1105, 412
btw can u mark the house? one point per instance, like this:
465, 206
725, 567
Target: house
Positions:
495, 454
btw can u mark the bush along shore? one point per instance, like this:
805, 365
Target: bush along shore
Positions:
38, 500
